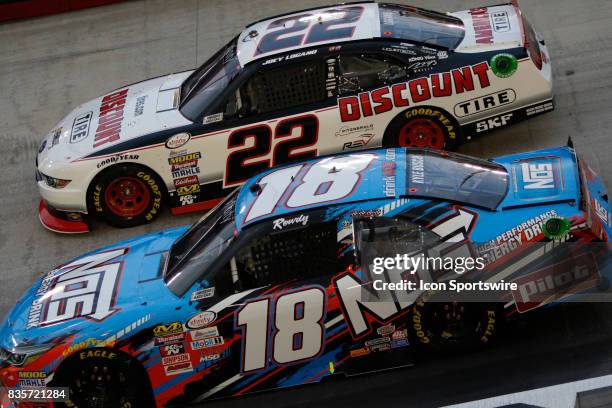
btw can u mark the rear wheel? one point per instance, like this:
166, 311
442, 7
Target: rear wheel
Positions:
103, 381
127, 195
454, 326
423, 127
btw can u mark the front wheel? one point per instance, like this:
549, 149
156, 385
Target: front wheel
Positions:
99, 378
454, 326
423, 127
127, 195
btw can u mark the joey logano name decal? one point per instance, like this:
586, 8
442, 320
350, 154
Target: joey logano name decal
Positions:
111, 116
416, 91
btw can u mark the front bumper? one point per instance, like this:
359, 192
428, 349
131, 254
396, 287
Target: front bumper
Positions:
62, 221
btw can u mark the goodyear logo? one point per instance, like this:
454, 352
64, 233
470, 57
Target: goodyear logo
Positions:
184, 157
166, 329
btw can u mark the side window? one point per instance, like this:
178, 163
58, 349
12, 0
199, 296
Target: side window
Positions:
282, 256
361, 72
285, 87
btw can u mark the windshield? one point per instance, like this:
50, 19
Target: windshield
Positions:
201, 245
414, 24
456, 178
207, 82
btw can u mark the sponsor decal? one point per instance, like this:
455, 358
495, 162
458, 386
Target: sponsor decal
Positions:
400, 49
380, 347
418, 90
417, 169
535, 110
385, 330
537, 177
500, 21
169, 339
187, 199
482, 25
185, 165
555, 282
388, 173
207, 342
203, 294
492, 123
174, 369
188, 190
601, 211
209, 358
185, 157
377, 341
32, 378
80, 127
201, 320
140, 104
399, 343
173, 349
178, 140
110, 118
86, 287
185, 171
217, 117
484, 103
117, 159
360, 352
167, 329
358, 143
510, 240
85, 344
367, 213
351, 130
204, 333
175, 359
281, 223
186, 181
399, 334
97, 353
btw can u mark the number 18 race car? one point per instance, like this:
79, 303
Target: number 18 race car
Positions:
265, 291
291, 88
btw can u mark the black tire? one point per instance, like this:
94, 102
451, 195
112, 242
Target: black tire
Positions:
127, 195
434, 325
108, 380
425, 127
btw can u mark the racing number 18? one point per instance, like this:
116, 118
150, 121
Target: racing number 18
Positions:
295, 326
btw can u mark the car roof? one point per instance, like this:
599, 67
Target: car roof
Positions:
249, 41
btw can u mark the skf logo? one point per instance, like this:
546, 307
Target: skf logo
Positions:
165, 329
493, 123
537, 175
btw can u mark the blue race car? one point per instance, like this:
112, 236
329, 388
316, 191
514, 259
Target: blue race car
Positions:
267, 290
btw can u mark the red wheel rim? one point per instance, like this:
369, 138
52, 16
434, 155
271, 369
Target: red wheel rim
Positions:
422, 133
127, 197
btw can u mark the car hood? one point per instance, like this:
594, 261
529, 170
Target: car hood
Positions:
108, 285
121, 115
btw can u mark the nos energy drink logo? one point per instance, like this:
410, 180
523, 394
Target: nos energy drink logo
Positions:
538, 178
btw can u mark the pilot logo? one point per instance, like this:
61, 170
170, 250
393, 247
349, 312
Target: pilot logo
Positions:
86, 287
537, 176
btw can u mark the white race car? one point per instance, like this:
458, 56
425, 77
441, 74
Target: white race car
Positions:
295, 86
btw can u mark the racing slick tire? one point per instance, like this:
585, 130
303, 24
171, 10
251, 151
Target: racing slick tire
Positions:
103, 378
127, 195
423, 127
454, 327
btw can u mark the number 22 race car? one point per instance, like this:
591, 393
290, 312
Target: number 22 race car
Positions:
265, 291
290, 88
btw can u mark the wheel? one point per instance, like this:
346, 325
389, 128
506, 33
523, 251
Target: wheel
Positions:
423, 128
454, 326
103, 381
127, 195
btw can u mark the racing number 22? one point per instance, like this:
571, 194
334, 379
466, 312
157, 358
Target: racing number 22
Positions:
295, 328
238, 170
